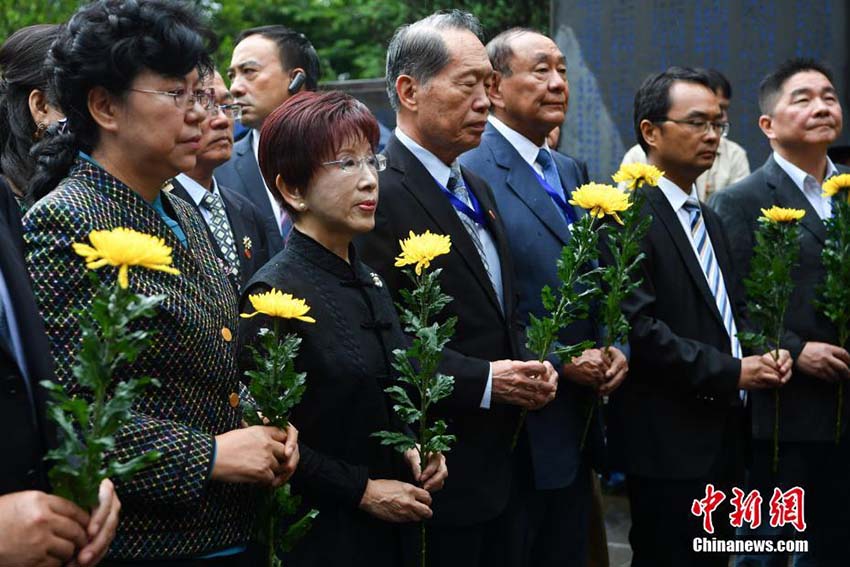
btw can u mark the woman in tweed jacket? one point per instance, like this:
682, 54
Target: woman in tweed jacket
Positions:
127, 74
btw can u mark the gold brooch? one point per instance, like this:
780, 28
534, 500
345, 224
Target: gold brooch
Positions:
246, 244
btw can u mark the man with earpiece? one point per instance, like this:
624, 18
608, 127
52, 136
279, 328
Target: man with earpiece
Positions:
269, 64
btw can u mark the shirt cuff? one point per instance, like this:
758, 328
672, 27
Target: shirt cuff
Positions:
488, 389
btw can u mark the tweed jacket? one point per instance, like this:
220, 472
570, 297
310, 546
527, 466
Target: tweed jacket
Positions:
172, 508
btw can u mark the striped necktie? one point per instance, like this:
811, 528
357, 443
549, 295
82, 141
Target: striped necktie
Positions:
711, 269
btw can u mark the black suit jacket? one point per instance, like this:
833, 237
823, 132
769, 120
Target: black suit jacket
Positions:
808, 404
250, 230
669, 416
480, 462
27, 438
241, 174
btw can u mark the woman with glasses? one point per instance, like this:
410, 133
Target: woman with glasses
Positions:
128, 74
317, 151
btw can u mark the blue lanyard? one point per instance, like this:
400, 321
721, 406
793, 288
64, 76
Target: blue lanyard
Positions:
568, 212
474, 214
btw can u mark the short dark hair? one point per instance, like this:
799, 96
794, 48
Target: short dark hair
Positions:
500, 52
306, 130
719, 82
418, 50
652, 100
294, 50
771, 86
108, 43
22, 61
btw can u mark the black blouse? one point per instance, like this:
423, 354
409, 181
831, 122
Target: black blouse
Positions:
347, 355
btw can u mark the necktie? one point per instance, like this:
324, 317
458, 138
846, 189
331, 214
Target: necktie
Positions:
711, 269
550, 172
220, 228
457, 186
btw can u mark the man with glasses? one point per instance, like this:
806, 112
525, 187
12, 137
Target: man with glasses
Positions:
237, 228
731, 163
800, 116
437, 76
677, 423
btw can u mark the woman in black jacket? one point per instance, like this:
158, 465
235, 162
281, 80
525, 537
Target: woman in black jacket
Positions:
317, 150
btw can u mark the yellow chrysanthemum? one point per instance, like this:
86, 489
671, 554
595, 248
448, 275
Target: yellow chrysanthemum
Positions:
600, 200
124, 247
421, 249
835, 184
635, 175
275, 303
781, 214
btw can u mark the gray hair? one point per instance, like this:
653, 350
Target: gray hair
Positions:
419, 51
500, 52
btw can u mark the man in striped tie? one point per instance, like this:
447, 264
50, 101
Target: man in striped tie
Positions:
679, 421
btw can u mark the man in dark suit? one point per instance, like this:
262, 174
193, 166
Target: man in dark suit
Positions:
36, 528
269, 64
532, 185
236, 227
678, 421
801, 116
436, 74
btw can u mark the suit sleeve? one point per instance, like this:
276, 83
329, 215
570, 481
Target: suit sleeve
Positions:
378, 249
689, 366
739, 223
62, 289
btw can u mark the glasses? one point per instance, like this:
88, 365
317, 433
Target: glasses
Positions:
702, 126
347, 165
232, 111
186, 99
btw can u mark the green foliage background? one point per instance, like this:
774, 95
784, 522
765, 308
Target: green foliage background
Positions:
351, 36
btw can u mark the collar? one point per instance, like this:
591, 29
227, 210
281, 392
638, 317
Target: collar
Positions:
525, 148
438, 170
255, 143
674, 195
304, 246
195, 189
797, 175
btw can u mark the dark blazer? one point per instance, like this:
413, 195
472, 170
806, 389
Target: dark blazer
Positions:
537, 232
808, 403
241, 174
171, 508
347, 355
249, 227
669, 416
27, 438
480, 461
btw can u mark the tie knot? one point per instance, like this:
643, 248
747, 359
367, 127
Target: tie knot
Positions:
691, 206
210, 199
455, 178
544, 158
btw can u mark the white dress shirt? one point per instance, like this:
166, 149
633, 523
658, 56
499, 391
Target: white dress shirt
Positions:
278, 210
197, 192
810, 187
677, 199
526, 149
441, 173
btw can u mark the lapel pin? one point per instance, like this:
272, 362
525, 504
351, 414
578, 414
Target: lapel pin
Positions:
246, 244
376, 280
492, 214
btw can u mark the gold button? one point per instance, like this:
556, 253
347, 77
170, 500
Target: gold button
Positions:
234, 400
225, 332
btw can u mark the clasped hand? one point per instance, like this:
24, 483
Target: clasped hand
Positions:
258, 454
599, 369
763, 371
528, 384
